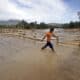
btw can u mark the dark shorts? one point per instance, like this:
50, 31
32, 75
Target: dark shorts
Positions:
48, 44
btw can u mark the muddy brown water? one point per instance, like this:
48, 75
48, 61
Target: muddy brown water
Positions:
22, 59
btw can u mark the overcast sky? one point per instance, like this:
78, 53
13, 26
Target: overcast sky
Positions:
49, 11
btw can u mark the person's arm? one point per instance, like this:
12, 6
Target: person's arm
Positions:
57, 38
43, 38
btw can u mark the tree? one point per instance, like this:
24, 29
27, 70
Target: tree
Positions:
22, 24
71, 25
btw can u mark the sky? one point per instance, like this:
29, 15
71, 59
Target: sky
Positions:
48, 11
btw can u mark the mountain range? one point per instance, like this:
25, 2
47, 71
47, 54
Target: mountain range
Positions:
14, 22
9, 22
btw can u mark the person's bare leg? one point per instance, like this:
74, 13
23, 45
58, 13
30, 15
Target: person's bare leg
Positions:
44, 46
51, 46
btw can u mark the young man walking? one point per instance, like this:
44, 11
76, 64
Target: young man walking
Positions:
49, 35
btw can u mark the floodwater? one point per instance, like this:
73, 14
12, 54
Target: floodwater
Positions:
22, 59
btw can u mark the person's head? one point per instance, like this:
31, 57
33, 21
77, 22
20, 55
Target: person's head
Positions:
51, 30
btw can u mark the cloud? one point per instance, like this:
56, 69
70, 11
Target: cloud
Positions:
35, 10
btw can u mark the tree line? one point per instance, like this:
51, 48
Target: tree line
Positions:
71, 25
34, 25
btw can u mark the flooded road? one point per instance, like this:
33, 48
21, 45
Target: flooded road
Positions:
22, 59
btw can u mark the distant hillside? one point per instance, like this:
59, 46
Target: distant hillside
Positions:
9, 22
55, 24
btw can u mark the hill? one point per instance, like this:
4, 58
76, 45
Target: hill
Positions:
9, 22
